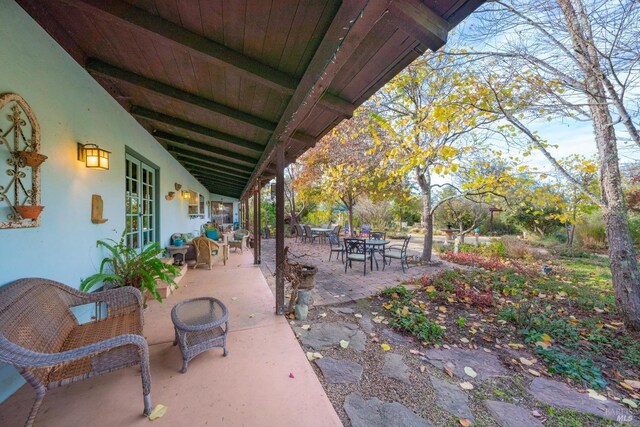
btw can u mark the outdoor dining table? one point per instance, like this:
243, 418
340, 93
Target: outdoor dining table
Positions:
375, 245
322, 231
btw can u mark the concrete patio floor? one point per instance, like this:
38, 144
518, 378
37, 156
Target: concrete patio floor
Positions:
250, 387
333, 285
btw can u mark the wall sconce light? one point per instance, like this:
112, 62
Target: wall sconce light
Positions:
186, 195
93, 156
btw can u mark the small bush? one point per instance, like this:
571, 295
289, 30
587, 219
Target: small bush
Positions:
591, 232
516, 248
582, 370
408, 317
496, 248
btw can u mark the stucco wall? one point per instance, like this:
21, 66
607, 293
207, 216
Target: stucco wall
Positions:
71, 107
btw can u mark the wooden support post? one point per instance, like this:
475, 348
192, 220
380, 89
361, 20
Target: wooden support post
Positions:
259, 221
256, 228
280, 228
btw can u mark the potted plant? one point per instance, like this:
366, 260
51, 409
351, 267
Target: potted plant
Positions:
29, 211
211, 231
125, 266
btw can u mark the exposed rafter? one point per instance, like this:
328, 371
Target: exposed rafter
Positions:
204, 48
353, 21
210, 159
213, 170
102, 69
417, 20
174, 139
155, 117
213, 178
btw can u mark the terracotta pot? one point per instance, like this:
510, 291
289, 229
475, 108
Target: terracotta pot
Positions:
31, 158
29, 211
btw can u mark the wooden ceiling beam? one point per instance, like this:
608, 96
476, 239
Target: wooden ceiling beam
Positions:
351, 24
418, 20
209, 159
174, 139
155, 117
221, 192
213, 169
212, 178
204, 48
218, 183
102, 69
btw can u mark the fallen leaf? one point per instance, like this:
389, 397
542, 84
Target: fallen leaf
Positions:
416, 352
526, 361
595, 395
291, 375
442, 308
385, 347
466, 385
630, 403
306, 327
464, 340
464, 422
534, 372
536, 414
543, 344
323, 314
423, 368
311, 356
344, 343
516, 346
234, 298
358, 315
378, 319
470, 372
158, 411
448, 371
633, 383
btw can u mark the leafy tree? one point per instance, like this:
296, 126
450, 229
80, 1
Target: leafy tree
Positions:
427, 132
336, 169
576, 59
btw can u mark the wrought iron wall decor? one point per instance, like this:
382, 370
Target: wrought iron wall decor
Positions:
19, 149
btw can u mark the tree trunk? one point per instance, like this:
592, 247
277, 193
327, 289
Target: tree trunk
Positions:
424, 182
622, 254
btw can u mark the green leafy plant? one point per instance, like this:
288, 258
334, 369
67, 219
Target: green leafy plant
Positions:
407, 316
125, 266
583, 370
461, 321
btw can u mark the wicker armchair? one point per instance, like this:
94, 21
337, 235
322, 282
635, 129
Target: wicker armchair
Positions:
241, 243
207, 251
42, 339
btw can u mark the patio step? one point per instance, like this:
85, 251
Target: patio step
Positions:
163, 287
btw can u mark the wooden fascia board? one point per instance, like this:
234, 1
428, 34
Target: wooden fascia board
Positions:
417, 20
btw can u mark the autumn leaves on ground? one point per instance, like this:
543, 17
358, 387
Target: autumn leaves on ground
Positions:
561, 310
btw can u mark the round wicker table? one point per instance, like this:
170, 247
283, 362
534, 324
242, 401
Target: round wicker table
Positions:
200, 325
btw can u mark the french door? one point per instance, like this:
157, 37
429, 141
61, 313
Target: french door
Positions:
140, 203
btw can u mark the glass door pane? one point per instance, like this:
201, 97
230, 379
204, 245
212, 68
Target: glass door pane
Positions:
140, 203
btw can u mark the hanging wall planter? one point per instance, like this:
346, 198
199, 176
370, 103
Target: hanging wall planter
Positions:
31, 158
29, 211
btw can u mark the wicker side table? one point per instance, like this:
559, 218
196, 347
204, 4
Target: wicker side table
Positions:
200, 325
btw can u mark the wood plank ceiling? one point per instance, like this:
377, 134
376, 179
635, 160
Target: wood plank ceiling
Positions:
219, 83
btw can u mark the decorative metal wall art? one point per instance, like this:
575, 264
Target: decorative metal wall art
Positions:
19, 149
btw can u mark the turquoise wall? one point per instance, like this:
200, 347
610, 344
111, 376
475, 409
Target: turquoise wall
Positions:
72, 107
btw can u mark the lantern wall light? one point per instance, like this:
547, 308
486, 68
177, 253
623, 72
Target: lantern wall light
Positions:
93, 156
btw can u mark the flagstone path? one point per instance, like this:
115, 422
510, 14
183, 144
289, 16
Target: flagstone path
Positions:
411, 386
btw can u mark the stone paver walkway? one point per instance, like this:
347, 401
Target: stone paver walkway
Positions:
333, 285
461, 380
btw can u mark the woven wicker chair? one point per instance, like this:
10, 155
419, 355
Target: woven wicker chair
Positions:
42, 339
207, 251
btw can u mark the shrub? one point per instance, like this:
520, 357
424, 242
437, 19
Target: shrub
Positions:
408, 317
591, 232
582, 370
496, 248
516, 248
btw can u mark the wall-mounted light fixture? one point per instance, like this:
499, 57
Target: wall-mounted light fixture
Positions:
93, 156
186, 195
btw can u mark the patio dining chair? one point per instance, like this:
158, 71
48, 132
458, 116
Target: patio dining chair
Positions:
310, 235
397, 252
378, 235
356, 250
300, 234
335, 246
336, 230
